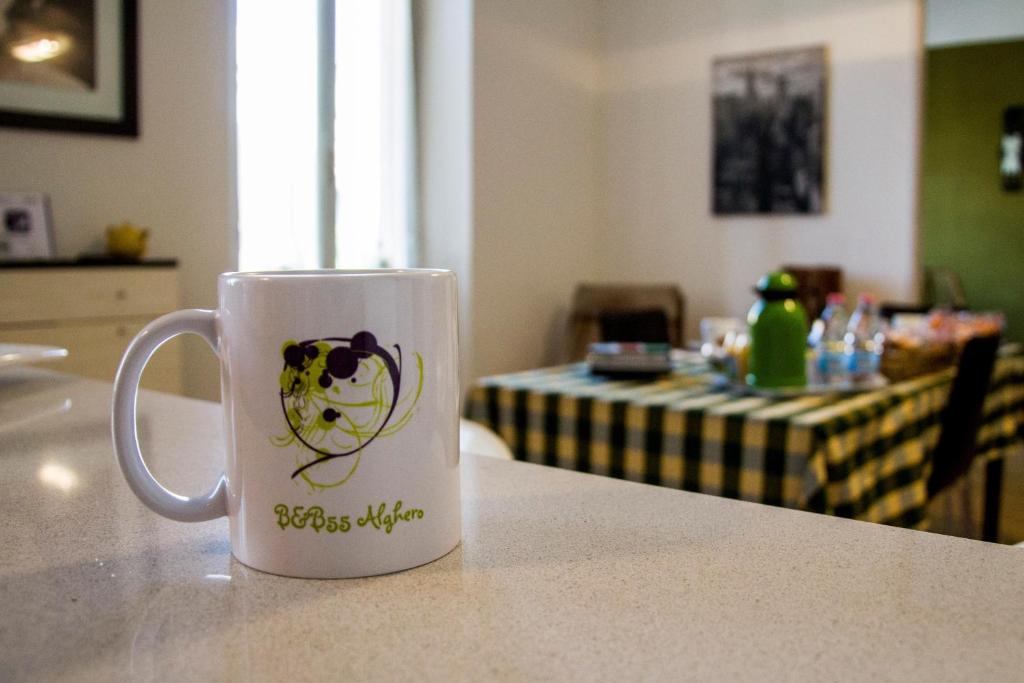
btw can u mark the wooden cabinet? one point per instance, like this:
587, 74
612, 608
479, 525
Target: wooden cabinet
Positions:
94, 312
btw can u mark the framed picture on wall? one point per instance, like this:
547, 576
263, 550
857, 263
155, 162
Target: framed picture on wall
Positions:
26, 229
69, 65
769, 118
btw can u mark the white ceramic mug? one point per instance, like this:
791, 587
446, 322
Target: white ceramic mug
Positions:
340, 393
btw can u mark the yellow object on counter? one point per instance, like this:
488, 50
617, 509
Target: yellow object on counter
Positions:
127, 241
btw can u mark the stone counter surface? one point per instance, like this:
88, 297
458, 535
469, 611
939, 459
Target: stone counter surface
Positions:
560, 576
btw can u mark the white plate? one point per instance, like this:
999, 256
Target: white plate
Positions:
21, 354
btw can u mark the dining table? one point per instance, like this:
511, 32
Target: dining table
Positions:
560, 575
859, 454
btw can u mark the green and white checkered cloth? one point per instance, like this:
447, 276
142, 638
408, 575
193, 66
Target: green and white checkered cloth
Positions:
865, 456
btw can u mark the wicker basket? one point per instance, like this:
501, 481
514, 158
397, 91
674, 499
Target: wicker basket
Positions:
903, 363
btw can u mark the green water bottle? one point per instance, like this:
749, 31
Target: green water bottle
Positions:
778, 335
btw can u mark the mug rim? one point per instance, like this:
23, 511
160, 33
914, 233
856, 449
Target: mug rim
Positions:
266, 275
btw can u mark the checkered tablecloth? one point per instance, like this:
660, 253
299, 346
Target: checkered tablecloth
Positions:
864, 456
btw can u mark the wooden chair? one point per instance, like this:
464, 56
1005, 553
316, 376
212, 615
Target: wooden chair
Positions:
814, 284
635, 326
961, 420
621, 308
943, 287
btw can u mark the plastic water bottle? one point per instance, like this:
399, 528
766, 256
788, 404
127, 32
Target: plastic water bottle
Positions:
828, 339
864, 337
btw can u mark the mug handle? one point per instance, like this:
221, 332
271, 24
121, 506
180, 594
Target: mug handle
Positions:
123, 419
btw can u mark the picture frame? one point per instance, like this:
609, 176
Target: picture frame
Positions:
70, 65
770, 132
26, 227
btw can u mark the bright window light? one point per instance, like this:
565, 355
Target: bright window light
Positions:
372, 141
279, 187
277, 136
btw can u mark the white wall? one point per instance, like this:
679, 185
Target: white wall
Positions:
538, 217
175, 177
444, 82
657, 141
953, 22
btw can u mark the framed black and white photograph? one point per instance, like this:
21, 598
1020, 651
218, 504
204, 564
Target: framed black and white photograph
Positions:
769, 118
26, 229
69, 65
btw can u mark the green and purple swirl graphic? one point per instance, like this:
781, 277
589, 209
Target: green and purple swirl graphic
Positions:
339, 395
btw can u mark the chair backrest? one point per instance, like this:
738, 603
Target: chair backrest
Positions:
962, 417
591, 301
635, 326
943, 287
814, 284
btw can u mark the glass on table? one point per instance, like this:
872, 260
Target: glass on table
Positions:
724, 343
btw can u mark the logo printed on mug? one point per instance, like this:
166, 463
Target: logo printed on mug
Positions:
339, 395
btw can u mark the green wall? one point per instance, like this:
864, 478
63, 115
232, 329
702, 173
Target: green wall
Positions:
968, 222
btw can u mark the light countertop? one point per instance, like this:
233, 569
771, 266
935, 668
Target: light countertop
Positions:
560, 576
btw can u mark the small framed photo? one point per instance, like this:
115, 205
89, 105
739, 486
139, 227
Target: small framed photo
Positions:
26, 229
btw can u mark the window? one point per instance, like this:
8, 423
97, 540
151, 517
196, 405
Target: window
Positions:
277, 136
325, 181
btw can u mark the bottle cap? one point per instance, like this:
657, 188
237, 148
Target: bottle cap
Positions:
777, 282
835, 299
